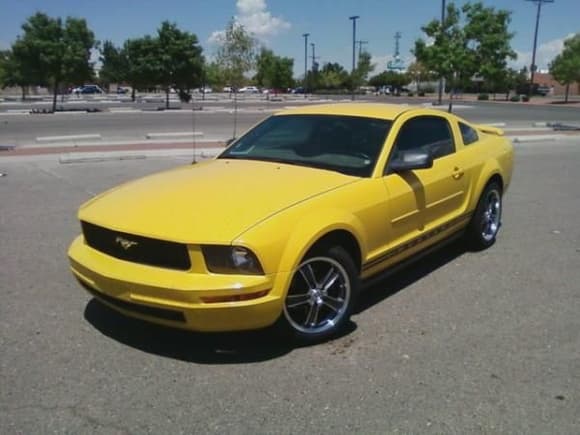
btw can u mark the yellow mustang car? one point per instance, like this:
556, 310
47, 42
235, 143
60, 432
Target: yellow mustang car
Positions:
289, 222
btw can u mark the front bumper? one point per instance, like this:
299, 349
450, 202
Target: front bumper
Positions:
174, 298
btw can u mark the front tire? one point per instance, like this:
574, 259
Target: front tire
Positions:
486, 221
321, 296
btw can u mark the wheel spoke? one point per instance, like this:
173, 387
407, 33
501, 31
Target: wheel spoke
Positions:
297, 300
312, 317
329, 279
335, 304
308, 276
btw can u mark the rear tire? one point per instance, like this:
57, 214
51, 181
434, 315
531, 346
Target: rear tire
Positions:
321, 296
486, 221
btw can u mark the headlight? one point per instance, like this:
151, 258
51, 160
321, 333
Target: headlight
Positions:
231, 260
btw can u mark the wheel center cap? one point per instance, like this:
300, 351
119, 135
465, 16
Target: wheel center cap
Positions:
316, 295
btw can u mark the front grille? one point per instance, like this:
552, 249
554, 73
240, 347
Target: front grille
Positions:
160, 313
137, 249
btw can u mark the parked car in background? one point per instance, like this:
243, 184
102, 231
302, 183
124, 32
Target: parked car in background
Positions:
384, 90
249, 90
524, 89
88, 89
293, 218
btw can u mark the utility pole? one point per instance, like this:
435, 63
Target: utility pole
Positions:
305, 36
353, 19
360, 45
314, 67
314, 57
533, 66
441, 78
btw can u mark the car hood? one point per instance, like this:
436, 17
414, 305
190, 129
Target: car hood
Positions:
210, 202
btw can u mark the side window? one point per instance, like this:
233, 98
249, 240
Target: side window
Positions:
468, 134
425, 133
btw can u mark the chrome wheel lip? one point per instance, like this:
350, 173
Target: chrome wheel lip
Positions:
316, 294
491, 218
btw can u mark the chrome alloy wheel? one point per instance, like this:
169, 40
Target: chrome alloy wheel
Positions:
319, 295
491, 217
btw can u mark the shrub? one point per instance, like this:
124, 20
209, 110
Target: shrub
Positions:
525, 98
421, 93
515, 98
483, 97
410, 94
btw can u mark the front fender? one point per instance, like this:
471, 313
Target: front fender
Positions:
310, 229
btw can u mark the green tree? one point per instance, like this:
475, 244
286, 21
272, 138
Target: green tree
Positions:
273, 71
333, 76
449, 55
481, 46
510, 81
51, 52
12, 73
213, 75
488, 37
363, 68
566, 66
236, 55
112, 64
138, 60
179, 62
419, 73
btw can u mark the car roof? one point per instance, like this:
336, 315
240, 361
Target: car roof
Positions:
370, 110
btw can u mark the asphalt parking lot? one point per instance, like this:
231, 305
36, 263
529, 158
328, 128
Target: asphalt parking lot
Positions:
462, 342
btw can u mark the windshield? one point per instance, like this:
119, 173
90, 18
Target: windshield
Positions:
347, 144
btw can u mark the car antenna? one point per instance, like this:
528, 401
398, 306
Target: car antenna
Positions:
194, 161
235, 112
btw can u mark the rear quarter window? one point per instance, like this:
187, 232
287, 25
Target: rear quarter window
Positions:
468, 134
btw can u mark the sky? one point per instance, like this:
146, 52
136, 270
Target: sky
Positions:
279, 24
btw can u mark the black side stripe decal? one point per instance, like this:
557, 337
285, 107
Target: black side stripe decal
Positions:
412, 243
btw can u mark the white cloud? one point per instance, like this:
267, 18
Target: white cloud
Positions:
255, 17
545, 53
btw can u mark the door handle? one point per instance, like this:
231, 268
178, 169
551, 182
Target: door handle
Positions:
457, 173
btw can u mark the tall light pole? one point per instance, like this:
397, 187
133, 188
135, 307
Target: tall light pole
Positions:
533, 66
305, 36
353, 19
441, 78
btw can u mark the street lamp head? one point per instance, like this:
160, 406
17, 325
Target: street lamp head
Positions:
354, 17
305, 35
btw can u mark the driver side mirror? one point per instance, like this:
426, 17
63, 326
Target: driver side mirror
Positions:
410, 160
